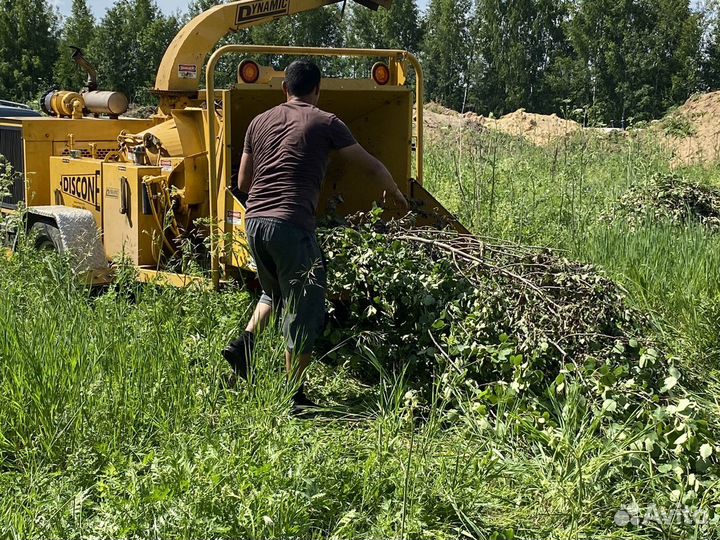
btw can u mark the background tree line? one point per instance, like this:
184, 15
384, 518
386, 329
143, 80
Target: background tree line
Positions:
610, 61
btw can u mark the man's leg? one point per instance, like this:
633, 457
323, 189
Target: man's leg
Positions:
239, 352
303, 318
295, 366
260, 317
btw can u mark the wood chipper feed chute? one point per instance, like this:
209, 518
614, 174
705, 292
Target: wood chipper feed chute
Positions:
379, 113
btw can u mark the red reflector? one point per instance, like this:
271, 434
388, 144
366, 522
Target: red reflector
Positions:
381, 73
249, 71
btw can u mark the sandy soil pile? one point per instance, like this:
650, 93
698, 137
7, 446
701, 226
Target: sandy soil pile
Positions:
539, 129
692, 132
440, 120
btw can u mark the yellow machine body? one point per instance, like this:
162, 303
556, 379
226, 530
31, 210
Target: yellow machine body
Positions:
129, 231
43, 138
153, 186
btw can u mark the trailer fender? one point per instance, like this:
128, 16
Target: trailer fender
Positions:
72, 231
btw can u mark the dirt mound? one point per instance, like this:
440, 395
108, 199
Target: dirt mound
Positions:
439, 120
692, 131
539, 129
669, 197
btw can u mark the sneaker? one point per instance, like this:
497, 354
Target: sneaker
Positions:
301, 404
239, 352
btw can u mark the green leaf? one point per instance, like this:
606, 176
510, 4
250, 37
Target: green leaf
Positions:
682, 405
706, 451
669, 383
439, 324
682, 439
609, 405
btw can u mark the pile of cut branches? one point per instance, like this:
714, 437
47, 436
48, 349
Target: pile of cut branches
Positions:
421, 299
670, 198
482, 325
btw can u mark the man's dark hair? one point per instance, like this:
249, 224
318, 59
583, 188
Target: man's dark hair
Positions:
302, 77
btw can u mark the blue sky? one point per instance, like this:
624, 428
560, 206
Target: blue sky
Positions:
100, 6
168, 6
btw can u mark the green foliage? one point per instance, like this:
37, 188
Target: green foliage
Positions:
517, 46
677, 125
447, 52
669, 198
396, 28
432, 302
633, 60
10, 223
128, 45
318, 28
620, 62
7, 177
78, 31
28, 48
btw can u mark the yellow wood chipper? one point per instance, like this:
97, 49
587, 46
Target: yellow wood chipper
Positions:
102, 187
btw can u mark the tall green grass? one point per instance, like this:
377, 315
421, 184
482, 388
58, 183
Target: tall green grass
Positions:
114, 421
555, 196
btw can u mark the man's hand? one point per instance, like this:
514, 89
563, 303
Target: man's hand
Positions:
399, 198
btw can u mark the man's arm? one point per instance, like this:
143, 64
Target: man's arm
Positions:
372, 166
245, 174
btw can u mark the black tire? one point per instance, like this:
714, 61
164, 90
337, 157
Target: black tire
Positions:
48, 237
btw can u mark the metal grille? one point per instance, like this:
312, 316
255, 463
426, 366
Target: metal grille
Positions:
11, 146
100, 153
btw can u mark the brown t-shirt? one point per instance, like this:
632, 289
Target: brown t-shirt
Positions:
290, 144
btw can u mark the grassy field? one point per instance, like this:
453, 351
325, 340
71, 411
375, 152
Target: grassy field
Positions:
114, 421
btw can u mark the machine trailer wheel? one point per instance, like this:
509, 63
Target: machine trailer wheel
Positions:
48, 237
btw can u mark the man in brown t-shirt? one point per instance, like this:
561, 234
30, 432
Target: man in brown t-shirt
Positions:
282, 170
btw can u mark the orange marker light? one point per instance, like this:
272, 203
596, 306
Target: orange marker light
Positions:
381, 73
249, 71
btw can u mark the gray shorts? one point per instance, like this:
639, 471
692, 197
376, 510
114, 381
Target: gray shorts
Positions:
292, 274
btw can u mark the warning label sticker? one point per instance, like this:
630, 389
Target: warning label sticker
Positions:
187, 71
166, 165
233, 218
